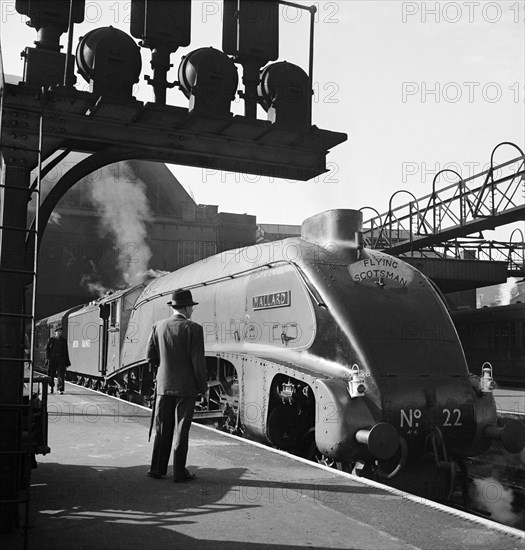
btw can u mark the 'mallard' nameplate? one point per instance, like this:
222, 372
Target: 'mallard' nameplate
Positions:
268, 301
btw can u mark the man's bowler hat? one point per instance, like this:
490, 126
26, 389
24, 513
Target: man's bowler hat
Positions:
182, 298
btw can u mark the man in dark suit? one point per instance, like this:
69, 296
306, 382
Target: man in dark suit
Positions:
176, 347
57, 358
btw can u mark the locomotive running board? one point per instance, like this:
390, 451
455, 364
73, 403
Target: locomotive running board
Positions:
208, 415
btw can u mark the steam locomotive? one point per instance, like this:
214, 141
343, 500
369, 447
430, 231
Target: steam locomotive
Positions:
314, 345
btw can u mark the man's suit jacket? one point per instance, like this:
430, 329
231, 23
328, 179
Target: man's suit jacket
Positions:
57, 353
176, 345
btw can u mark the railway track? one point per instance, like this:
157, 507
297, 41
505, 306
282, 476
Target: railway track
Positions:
497, 487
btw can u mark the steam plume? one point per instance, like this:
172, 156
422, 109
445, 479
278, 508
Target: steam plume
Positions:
507, 291
92, 282
93, 286
491, 495
125, 211
55, 218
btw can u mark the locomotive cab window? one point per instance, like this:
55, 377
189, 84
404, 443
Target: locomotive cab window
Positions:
113, 314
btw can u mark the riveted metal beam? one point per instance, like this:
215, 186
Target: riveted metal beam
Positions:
78, 121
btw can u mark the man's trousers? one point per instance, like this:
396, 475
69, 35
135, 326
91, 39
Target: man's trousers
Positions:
173, 416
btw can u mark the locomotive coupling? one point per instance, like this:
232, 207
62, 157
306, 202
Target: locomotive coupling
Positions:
381, 439
511, 435
486, 382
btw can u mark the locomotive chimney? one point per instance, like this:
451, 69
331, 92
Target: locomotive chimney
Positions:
334, 226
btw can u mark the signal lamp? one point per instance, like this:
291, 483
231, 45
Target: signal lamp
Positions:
161, 22
208, 77
251, 29
285, 93
50, 19
110, 61
162, 26
251, 35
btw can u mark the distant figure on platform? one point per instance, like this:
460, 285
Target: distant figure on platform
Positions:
57, 358
176, 347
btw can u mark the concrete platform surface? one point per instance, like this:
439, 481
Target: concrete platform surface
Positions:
91, 492
510, 400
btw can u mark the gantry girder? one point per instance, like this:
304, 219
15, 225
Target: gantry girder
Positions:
76, 120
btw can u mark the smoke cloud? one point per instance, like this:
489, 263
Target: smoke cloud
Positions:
93, 283
488, 493
93, 286
55, 218
507, 291
120, 197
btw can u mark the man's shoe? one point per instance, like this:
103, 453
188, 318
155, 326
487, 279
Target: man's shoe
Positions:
154, 475
52, 390
61, 392
186, 476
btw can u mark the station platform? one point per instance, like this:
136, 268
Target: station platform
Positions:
92, 492
510, 401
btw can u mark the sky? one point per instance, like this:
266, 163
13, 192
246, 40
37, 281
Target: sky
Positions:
417, 86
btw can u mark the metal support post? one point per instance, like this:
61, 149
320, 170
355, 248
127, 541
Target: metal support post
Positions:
14, 195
